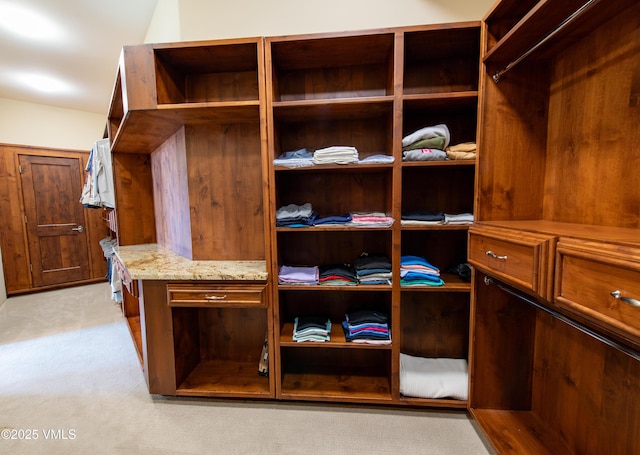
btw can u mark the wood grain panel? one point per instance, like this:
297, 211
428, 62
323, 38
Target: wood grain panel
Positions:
225, 191
439, 61
232, 86
336, 193
186, 342
201, 72
504, 156
15, 256
134, 199
157, 338
439, 189
232, 333
579, 388
368, 135
171, 195
319, 248
333, 83
443, 249
593, 131
435, 324
137, 78
504, 330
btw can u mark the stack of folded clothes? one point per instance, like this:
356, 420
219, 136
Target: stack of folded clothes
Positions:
338, 275
421, 217
293, 215
332, 220
291, 274
373, 269
426, 144
415, 270
370, 219
458, 218
463, 151
311, 328
338, 154
367, 326
295, 158
377, 159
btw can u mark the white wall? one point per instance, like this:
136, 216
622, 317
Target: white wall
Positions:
214, 19
165, 23
49, 126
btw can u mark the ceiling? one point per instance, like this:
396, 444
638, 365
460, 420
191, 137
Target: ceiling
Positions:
76, 42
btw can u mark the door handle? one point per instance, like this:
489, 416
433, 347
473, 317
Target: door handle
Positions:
79, 228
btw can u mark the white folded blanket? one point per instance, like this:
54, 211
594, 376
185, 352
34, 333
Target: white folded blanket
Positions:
433, 377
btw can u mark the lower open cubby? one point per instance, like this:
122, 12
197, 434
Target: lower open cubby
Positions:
337, 369
542, 382
217, 351
434, 326
343, 375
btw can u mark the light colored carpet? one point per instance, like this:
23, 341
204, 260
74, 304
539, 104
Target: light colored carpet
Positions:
70, 377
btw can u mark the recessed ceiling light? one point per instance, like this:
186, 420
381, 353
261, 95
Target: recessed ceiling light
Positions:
42, 83
28, 23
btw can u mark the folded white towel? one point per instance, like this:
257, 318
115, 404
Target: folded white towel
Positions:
433, 377
337, 154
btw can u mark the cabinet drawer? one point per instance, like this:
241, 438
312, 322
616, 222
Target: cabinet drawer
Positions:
600, 282
522, 259
214, 295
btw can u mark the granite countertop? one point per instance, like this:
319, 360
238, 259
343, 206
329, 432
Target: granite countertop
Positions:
154, 262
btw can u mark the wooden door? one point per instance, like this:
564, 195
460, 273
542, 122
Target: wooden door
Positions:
57, 238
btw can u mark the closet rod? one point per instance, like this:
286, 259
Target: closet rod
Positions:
612, 343
498, 74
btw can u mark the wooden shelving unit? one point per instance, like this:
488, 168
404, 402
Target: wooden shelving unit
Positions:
368, 90
188, 142
195, 128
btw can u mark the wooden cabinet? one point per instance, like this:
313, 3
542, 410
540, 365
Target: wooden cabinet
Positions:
367, 90
555, 362
188, 137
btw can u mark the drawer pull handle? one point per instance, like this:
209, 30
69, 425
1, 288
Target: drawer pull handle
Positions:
628, 300
491, 254
215, 297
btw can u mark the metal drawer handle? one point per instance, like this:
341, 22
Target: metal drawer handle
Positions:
215, 297
628, 300
491, 254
